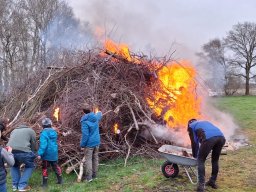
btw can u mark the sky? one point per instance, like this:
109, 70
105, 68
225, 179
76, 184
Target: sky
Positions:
159, 27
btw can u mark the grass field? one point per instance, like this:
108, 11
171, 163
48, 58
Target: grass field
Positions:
237, 172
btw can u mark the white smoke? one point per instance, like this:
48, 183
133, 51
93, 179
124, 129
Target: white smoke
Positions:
179, 136
221, 119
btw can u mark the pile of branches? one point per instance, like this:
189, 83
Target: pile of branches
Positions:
115, 86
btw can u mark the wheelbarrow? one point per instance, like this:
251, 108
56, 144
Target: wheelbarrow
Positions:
178, 156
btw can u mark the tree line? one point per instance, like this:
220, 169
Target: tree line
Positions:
231, 61
31, 37
34, 33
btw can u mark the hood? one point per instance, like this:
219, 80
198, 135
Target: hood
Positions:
91, 117
51, 133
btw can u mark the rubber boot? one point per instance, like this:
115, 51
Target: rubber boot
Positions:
44, 185
59, 178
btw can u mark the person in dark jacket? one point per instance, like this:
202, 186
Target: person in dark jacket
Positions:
5, 156
48, 151
3, 125
23, 143
206, 137
90, 141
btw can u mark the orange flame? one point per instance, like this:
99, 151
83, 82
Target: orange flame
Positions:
176, 100
121, 50
56, 113
96, 109
116, 130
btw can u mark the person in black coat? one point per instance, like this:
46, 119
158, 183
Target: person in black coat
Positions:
206, 137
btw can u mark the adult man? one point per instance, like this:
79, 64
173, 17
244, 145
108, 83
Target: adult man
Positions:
90, 141
23, 142
210, 138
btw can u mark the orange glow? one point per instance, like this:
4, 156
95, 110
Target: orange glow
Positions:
121, 50
176, 100
96, 109
56, 113
116, 130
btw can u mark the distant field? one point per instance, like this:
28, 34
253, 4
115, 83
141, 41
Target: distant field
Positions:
237, 172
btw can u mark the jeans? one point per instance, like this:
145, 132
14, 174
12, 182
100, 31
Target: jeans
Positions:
91, 162
215, 144
3, 187
19, 179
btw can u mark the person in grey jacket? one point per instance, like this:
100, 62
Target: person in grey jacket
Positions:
24, 146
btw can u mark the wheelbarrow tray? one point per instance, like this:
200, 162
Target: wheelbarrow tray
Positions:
167, 151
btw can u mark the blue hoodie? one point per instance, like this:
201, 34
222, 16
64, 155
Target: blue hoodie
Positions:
48, 149
90, 129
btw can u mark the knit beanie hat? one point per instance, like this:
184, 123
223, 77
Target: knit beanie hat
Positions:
46, 122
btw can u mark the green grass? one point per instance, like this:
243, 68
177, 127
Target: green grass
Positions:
237, 169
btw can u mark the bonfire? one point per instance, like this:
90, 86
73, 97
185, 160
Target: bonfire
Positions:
135, 94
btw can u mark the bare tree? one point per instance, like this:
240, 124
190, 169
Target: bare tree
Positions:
215, 63
241, 41
28, 32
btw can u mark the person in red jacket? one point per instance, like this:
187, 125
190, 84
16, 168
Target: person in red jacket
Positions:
206, 137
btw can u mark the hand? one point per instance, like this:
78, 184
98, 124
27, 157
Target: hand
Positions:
38, 157
9, 149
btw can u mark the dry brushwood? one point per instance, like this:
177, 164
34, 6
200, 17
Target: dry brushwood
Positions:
115, 86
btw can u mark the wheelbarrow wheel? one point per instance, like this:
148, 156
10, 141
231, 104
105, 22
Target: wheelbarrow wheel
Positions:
170, 169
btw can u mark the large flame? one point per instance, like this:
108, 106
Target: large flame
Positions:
56, 113
176, 100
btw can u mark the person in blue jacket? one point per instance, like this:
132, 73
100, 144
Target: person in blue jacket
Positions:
206, 137
90, 141
48, 151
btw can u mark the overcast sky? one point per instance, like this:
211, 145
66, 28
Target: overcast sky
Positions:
158, 26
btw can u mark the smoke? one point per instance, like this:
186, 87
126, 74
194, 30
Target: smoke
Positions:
140, 24
69, 33
221, 119
179, 136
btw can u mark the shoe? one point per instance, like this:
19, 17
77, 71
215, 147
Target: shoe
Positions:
14, 188
94, 176
88, 180
60, 180
200, 188
27, 188
211, 184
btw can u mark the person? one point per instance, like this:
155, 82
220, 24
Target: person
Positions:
3, 125
5, 156
210, 139
48, 151
90, 141
23, 143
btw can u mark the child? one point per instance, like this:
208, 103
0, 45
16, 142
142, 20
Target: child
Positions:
7, 156
48, 151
